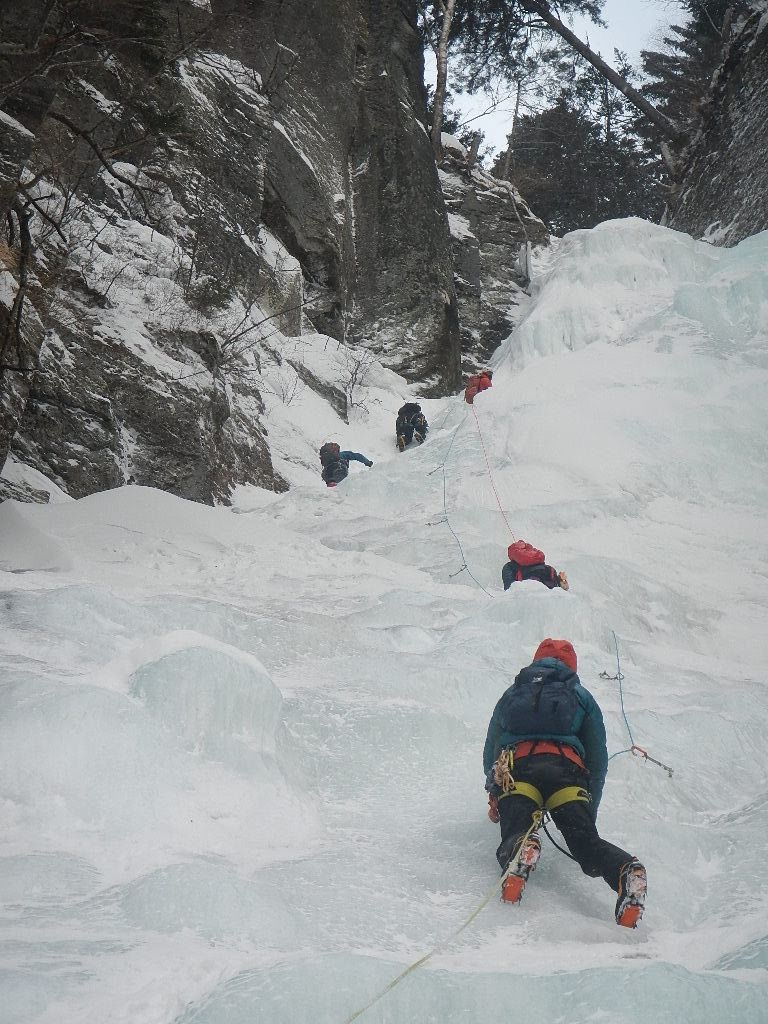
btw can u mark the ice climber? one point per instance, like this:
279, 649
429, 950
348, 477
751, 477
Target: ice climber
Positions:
478, 382
527, 563
545, 751
335, 463
410, 423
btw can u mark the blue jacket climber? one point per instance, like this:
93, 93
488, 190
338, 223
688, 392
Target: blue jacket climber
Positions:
335, 463
545, 752
578, 722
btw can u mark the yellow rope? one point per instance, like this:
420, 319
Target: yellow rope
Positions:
536, 821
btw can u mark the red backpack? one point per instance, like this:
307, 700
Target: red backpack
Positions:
524, 553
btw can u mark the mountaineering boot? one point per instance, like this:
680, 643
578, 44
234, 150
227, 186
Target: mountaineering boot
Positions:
419, 437
633, 886
514, 883
401, 442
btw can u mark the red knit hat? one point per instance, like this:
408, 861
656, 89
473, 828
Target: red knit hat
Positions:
560, 649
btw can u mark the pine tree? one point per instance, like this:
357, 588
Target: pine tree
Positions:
680, 74
579, 163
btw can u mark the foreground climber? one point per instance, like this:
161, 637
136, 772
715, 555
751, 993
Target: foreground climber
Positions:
335, 463
410, 423
477, 383
527, 563
545, 751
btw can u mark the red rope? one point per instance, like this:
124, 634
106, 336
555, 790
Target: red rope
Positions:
490, 474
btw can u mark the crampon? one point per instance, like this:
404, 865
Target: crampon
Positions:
517, 874
633, 886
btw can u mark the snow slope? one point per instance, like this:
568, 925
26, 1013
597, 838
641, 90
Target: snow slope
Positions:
241, 754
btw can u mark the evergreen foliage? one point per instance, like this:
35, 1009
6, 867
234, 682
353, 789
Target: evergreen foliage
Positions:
576, 171
679, 75
494, 36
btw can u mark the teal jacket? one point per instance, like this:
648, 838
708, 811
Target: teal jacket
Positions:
584, 729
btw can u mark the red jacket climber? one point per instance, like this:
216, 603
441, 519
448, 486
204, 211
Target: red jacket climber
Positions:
478, 382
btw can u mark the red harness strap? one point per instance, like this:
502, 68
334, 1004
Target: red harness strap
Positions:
527, 747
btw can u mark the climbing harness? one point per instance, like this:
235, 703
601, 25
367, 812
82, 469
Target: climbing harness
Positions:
633, 748
566, 795
503, 777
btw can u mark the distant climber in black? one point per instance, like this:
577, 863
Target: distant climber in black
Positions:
410, 423
335, 463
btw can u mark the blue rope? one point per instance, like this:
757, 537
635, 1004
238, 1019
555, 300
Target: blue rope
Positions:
620, 677
634, 749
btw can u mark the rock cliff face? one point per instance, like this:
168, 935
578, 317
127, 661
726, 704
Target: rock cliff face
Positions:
492, 230
724, 183
197, 180
194, 184
351, 185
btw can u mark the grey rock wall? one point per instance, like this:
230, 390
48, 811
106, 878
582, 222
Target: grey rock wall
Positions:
723, 192
222, 163
491, 225
151, 167
21, 115
351, 183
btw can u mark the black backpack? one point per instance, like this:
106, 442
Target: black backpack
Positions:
329, 453
334, 472
541, 703
409, 409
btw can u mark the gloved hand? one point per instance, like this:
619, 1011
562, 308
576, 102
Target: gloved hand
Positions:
563, 580
493, 808
369, 463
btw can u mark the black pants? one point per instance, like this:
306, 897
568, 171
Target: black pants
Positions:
548, 773
407, 427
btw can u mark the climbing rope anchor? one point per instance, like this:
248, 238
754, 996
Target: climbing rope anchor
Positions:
634, 749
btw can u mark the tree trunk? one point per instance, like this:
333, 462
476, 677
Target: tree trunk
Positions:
667, 127
509, 155
474, 149
441, 86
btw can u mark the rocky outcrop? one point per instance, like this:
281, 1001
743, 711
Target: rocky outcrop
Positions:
208, 179
492, 231
22, 492
145, 188
23, 110
724, 181
351, 184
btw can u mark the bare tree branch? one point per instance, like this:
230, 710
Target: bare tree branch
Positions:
83, 134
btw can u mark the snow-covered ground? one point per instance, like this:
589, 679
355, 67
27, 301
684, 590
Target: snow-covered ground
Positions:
240, 754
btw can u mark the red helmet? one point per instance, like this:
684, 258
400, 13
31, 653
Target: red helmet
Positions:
560, 649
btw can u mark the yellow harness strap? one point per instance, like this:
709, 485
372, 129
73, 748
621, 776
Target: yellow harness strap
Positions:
525, 789
566, 795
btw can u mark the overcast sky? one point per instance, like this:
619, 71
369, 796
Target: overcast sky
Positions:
633, 25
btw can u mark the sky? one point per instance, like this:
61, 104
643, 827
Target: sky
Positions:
633, 25
241, 774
